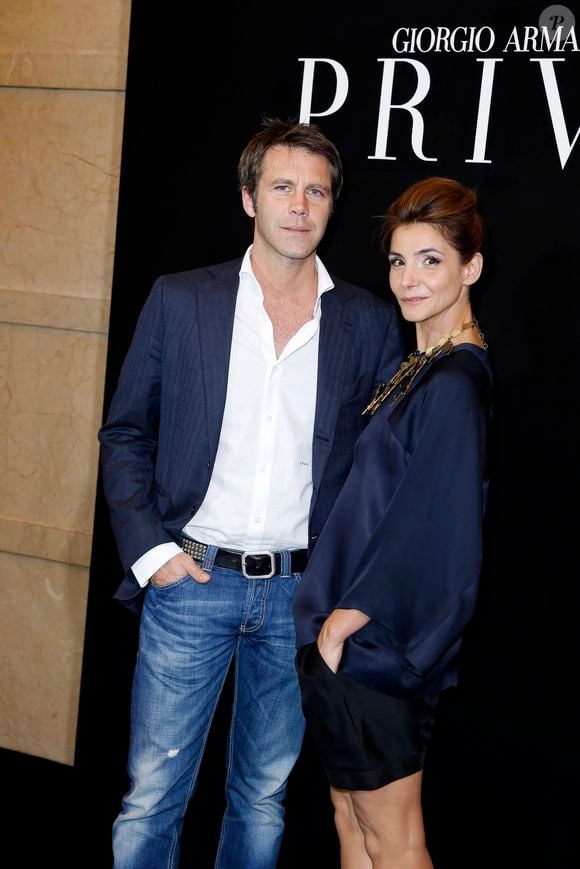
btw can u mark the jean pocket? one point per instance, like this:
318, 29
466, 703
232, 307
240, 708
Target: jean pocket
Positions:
169, 585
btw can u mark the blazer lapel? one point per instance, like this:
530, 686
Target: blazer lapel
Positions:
334, 346
216, 309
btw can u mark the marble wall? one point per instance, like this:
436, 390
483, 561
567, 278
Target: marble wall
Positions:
62, 80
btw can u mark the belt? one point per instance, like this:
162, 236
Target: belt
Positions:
253, 565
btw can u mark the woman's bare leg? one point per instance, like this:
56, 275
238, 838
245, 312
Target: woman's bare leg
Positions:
353, 854
391, 821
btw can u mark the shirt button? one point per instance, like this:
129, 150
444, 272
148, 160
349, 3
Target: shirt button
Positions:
257, 520
269, 418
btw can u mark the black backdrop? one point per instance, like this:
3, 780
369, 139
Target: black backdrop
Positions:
500, 781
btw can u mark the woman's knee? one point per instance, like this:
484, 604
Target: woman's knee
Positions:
391, 814
345, 818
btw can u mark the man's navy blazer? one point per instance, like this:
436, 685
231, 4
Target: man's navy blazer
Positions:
160, 439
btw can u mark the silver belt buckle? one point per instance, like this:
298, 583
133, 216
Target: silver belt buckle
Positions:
259, 575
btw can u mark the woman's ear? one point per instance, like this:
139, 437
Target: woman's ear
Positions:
473, 268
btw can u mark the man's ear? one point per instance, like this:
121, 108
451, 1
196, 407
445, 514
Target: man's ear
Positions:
248, 203
473, 269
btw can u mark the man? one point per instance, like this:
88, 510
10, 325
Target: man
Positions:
230, 433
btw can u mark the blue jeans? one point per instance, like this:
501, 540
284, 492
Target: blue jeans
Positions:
189, 634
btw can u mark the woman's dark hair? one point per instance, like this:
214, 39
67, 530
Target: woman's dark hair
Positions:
287, 134
445, 203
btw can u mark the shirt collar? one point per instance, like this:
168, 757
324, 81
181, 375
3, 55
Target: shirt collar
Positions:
248, 279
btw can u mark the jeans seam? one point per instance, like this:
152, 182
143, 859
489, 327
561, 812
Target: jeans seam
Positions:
250, 599
230, 743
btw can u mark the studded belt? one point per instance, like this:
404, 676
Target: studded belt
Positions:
253, 565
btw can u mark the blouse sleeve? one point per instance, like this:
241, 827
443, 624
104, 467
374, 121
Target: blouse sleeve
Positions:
419, 575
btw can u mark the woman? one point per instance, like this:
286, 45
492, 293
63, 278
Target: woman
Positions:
394, 576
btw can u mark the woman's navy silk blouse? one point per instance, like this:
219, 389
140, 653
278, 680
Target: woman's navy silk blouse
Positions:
403, 542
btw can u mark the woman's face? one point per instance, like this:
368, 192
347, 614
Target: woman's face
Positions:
427, 275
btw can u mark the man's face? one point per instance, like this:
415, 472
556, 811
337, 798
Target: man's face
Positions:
293, 203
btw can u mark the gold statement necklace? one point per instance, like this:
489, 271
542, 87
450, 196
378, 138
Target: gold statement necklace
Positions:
401, 381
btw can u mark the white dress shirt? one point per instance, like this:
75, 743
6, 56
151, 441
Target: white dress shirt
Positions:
261, 486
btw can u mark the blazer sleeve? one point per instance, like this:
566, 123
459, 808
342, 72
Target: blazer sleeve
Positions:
129, 438
419, 575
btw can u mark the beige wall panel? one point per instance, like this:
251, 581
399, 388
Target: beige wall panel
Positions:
51, 387
56, 312
62, 76
42, 622
64, 43
59, 175
45, 541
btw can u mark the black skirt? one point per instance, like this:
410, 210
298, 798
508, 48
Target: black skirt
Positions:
365, 739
